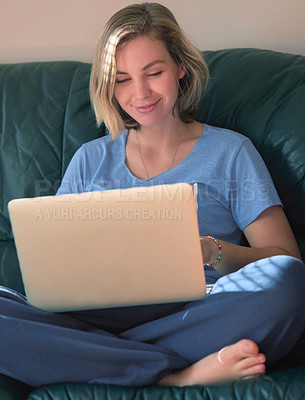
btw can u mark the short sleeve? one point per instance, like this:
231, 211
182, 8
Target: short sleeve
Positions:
251, 190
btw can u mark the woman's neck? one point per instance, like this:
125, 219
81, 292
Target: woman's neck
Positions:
149, 153
164, 137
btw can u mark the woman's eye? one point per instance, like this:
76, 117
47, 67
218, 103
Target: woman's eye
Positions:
155, 74
122, 80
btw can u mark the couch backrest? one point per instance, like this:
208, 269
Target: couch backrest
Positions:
46, 115
261, 94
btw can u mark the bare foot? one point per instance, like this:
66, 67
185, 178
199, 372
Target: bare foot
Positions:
239, 360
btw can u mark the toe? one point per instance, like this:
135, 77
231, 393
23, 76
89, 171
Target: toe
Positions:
248, 347
243, 349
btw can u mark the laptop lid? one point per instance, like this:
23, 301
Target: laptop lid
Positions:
109, 249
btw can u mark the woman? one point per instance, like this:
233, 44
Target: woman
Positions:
146, 82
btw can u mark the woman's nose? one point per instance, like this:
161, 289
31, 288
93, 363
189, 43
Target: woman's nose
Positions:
141, 90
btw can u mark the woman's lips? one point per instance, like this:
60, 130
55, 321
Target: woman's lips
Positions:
147, 109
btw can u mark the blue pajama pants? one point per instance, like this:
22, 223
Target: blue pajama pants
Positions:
137, 346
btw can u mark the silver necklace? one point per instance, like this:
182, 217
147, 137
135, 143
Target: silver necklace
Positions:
140, 154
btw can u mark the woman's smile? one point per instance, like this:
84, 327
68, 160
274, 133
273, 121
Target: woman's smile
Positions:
147, 108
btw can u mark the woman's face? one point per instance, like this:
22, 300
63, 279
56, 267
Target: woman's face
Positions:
147, 81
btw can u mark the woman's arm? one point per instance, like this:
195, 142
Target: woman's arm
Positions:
269, 235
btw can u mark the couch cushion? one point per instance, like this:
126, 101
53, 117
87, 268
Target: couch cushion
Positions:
277, 386
10, 389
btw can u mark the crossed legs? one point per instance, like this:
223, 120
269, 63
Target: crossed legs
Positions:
262, 302
251, 316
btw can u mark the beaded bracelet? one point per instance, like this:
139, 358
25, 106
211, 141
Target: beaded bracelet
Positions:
219, 252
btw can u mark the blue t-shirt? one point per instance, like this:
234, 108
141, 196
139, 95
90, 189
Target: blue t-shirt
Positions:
232, 182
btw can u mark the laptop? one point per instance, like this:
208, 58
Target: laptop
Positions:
113, 248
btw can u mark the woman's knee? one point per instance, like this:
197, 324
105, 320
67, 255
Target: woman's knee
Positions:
287, 271
286, 276
278, 279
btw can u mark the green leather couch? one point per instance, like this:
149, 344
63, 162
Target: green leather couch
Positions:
46, 115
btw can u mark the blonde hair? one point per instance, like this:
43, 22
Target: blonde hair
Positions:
156, 22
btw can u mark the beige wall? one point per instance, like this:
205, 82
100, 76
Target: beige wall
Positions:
38, 30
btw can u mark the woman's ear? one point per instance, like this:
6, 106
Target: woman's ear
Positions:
181, 71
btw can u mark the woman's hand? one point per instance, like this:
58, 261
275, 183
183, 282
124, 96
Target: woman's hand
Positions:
209, 250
